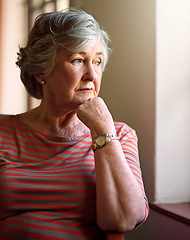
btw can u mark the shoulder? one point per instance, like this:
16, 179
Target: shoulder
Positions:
7, 122
122, 125
124, 131
7, 118
3, 116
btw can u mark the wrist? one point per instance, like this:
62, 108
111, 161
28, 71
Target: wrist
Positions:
101, 131
101, 140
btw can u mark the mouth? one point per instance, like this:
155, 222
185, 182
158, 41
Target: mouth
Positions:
85, 90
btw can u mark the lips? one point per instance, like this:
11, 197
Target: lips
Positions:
85, 89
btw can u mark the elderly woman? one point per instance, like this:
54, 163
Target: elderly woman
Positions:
67, 170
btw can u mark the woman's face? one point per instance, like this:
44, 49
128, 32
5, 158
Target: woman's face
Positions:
75, 77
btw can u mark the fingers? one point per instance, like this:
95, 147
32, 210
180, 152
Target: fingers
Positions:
93, 108
95, 115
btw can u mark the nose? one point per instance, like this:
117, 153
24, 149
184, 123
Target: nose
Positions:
89, 73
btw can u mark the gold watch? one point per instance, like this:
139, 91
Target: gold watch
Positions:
101, 140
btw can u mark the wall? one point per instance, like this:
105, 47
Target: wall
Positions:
128, 85
12, 92
173, 101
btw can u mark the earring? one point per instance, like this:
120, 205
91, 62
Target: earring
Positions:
43, 82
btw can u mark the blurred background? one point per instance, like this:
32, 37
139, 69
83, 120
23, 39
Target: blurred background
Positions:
146, 84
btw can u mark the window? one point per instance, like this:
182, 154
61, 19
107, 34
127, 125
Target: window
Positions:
35, 7
14, 32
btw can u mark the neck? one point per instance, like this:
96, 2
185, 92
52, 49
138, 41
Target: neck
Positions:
54, 123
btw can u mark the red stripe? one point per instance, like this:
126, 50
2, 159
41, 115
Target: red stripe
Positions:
48, 176
54, 229
22, 233
47, 206
50, 198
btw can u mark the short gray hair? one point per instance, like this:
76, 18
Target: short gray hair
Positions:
72, 29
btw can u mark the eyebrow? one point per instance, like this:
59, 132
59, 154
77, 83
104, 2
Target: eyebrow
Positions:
84, 53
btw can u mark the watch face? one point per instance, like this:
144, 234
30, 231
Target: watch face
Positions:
101, 140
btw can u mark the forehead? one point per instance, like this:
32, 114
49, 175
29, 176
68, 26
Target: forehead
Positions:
93, 49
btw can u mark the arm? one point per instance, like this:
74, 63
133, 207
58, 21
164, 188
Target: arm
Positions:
120, 200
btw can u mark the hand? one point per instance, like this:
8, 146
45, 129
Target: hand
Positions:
96, 116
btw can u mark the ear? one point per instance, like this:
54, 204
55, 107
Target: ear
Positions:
39, 77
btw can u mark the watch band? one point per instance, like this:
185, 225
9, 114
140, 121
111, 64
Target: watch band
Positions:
101, 140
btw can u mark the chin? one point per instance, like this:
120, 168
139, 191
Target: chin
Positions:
87, 98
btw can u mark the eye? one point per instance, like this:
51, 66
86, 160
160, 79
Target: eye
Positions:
98, 62
77, 60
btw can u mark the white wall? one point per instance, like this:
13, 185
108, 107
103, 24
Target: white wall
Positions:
12, 93
173, 101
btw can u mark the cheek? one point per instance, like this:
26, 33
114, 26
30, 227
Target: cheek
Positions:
97, 85
74, 74
70, 79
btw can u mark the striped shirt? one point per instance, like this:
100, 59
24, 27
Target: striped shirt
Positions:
48, 184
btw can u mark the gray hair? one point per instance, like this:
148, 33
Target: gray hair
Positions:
72, 29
